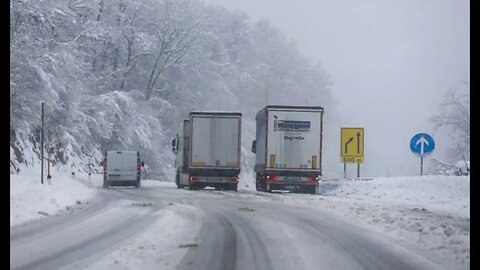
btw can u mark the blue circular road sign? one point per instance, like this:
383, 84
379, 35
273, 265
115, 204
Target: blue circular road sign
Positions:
422, 144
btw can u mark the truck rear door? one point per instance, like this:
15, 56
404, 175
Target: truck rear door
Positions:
215, 141
294, 139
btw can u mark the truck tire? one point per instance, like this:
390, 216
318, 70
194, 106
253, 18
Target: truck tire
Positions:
105, 184
234, 187
310, 189
137, 184
258, 186
177, 180
258, 182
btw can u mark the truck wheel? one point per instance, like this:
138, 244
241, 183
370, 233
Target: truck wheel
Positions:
234, 187
259, 185
105, 184
311, 190
177, 180
137, 185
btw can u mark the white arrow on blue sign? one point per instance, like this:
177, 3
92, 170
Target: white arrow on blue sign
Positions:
422, 144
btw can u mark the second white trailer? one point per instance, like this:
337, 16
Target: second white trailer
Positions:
288, 148
208, 150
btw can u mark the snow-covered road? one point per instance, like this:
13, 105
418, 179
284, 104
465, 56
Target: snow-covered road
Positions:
161, 227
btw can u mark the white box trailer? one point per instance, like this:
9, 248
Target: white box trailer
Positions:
121, 168
207, 148
288, 148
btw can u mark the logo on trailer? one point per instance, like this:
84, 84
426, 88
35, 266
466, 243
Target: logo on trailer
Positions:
289, 125
294, 138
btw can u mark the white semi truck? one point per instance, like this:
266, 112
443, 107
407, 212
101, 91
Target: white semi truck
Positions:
288, 148
207, 148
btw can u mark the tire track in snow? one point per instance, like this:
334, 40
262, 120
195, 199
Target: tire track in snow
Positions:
213, 245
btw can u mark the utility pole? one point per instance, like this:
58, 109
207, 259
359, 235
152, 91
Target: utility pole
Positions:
43, 125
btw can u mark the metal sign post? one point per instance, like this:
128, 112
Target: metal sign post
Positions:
345, 170
43, 124
421, 166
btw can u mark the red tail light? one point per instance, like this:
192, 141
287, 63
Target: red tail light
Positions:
139, 167
105, 166
233, 180
271, 178
313, 179
194, 179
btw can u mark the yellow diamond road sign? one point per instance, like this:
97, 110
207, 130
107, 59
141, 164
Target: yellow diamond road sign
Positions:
351, 145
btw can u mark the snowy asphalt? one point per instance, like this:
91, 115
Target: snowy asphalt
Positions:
237, 231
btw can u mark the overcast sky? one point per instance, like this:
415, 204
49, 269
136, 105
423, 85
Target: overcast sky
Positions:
390, 62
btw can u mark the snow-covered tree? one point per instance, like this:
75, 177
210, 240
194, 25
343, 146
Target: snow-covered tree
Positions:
118, 74
454, 117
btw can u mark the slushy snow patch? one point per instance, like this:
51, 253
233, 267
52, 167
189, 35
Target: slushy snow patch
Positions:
161, 245
30, 200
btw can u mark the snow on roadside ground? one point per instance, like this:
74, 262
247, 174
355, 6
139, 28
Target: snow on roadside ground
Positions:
30, 200
156, 183
162, 245
442, 194
428, 214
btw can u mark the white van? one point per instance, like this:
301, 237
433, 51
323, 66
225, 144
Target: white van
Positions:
121, 168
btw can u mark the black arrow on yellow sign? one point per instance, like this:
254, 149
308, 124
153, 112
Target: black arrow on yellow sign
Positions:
358, 142
346, 144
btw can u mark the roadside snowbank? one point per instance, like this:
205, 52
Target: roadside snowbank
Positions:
440, 194
425, 214
30, 200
